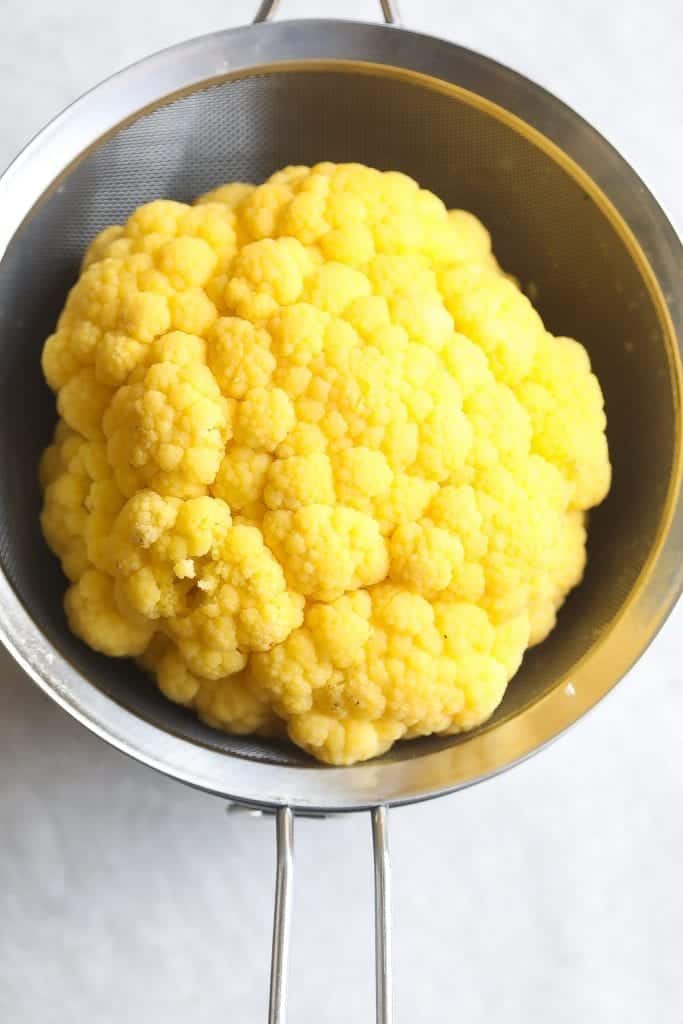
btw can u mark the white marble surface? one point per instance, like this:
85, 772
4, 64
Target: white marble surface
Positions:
552, 894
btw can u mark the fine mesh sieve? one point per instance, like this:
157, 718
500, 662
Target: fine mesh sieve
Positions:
568, 217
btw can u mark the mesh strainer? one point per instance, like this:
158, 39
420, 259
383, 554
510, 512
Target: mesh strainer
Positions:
568, 217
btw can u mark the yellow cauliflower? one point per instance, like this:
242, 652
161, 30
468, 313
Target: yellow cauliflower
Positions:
319, 466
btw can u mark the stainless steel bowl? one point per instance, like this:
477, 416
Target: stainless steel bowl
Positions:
567, 214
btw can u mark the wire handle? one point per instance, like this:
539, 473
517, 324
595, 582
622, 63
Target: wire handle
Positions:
282, 917
390, 13
384, 1002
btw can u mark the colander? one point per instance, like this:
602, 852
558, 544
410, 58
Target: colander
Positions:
569, 218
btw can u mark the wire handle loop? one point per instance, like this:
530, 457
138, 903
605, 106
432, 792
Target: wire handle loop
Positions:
268, 8
282, 917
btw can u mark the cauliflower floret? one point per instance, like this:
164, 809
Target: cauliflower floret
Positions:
113, 295
66, 484
94, 617
492, 312
81, 500
239, 356
229, 703
319, 466
376, 665
298, 481
566, 409
424, 557
240, 604
325, 551
266, 275
264, 418
158, 548
166, 429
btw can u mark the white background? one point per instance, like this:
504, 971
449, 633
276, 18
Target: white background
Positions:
551, 895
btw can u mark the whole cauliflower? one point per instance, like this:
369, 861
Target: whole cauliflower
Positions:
319, 465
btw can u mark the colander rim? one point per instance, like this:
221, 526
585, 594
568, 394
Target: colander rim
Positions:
373, 49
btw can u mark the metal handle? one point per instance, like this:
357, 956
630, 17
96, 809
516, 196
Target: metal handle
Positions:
282, 917
384, 1013
268, 8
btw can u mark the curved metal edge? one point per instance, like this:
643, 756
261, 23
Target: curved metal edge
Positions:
252, 784
365, 786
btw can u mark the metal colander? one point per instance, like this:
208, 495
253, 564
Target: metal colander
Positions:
568, 217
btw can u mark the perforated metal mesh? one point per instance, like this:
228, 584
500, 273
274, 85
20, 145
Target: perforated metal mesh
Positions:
545, 230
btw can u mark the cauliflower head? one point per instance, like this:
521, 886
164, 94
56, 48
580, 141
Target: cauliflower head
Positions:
318, 465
